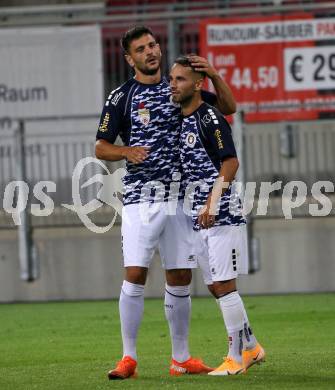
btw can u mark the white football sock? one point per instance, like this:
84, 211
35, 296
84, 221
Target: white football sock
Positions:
177, 311
131, 305
249, 340
233, 315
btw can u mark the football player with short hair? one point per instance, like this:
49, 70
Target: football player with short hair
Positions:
142, 113
210, 163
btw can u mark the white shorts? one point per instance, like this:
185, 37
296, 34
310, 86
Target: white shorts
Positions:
146, 227
222, 252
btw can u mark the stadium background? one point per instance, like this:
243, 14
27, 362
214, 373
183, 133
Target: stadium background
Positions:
295, 255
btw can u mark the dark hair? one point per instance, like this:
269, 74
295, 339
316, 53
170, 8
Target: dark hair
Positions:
134, 33
184, 60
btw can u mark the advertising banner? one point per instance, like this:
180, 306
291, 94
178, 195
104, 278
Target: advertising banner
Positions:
50, 71
279, 67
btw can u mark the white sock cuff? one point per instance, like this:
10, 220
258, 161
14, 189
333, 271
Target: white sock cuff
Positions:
230, 299
232, 310
178, 291
132, 289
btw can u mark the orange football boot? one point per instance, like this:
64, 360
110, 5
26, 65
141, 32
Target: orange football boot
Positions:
228, 367
125, 368
256, 355
190, 366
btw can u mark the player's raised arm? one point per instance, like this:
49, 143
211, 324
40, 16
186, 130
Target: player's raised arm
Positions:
225, 99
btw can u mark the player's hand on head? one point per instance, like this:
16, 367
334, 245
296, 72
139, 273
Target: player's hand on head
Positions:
201, 64
137, 154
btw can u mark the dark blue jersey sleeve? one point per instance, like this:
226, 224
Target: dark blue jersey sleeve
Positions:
219, 134
112, 117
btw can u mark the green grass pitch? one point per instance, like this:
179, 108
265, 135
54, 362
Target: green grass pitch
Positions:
72, 345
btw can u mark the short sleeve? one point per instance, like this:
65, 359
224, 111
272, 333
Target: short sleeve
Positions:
111, 120
220, 135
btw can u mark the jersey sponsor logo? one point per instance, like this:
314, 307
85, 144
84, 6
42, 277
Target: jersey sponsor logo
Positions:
206, 119
104, 125
191, 139
144, 114
217, 134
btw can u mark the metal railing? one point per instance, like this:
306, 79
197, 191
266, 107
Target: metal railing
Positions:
309, 158
49, 158
134, 13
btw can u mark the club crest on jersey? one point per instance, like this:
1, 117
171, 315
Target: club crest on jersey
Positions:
144, 114
191, 139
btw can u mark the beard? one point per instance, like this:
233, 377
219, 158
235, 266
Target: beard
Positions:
182, 98
148, 71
